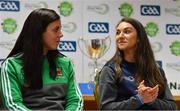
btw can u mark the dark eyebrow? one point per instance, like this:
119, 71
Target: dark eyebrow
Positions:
128, 28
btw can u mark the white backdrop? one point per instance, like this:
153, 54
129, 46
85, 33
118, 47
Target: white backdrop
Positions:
161, 19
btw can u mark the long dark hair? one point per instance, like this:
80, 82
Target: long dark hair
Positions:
147, 69
30, 43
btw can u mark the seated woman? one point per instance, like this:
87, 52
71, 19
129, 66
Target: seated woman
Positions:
35, 75
132, 80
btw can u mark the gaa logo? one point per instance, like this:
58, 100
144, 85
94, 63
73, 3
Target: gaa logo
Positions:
173, 28
150, 10
67, 46
98, 27
9, 5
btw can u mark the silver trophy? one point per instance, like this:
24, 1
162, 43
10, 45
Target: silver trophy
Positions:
94, 49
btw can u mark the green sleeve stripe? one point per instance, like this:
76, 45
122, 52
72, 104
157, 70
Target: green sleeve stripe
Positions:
80, 102
6, 87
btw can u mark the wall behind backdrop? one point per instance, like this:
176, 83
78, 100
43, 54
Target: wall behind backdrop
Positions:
92, 22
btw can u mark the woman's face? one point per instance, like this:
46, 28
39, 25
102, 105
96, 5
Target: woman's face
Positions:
51, 36
126, 37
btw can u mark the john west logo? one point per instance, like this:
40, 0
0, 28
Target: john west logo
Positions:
150, 10
173, 29
174, 66
9, 5
100, 9
98, 27
67, 46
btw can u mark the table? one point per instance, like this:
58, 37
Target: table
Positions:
90, 103
177, 99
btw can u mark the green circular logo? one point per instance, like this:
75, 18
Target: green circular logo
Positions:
151, 29
125, 10
9, 25
65, 8
175, 48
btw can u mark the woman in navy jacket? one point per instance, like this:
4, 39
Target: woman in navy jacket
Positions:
132, 80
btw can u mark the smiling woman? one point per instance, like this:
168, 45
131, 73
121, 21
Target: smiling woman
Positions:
131, 79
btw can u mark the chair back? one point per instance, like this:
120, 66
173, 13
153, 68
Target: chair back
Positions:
96, 94
96, 88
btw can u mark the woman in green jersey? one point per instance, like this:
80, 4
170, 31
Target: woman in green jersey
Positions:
35, 75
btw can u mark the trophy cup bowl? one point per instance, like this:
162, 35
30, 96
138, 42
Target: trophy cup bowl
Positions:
94, 49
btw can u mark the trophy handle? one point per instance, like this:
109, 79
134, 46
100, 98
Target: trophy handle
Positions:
106, 49
81, 40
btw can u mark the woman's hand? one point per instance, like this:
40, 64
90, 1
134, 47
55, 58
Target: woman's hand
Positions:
148, 94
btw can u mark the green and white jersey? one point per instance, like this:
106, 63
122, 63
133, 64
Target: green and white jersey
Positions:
59, 94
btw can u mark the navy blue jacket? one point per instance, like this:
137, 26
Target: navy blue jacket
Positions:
122, 95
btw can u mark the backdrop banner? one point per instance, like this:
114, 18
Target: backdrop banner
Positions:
93, 21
